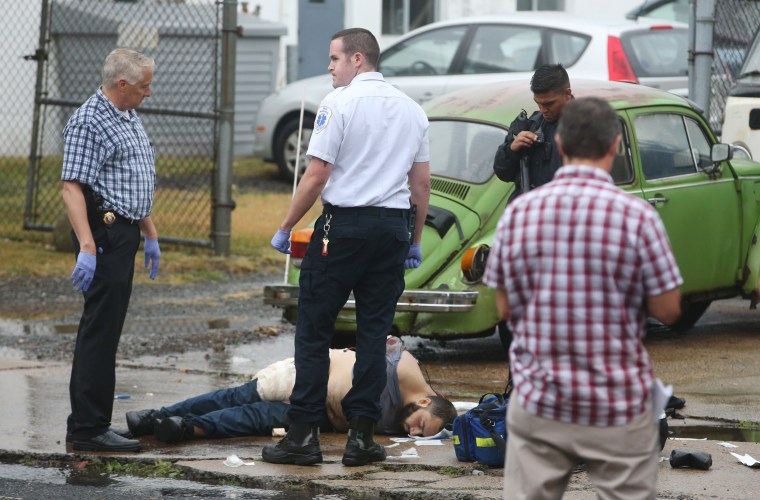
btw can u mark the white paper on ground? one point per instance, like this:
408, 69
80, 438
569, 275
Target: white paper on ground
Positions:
727, 445
436, 442
464, 405
746, 460
234, 461
660, 395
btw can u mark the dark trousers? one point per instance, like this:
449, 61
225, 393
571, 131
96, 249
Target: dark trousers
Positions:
91, 388
365, 254
232, 412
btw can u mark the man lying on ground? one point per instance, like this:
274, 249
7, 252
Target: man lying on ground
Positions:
408, 403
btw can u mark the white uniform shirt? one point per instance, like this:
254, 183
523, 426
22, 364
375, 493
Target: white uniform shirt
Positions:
372, 133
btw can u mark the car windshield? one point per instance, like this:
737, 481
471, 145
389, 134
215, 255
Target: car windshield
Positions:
657, 52
463, 150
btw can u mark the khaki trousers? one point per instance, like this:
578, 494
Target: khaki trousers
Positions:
541, 453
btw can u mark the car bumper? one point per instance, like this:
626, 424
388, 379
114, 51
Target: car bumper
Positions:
438, 301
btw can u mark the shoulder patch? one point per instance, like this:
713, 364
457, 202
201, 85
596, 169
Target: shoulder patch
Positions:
322, 119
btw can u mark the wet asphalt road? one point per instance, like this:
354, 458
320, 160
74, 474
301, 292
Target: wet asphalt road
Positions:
223, 329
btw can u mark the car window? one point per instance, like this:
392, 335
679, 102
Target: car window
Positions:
567, 47
663, 145
463, 150
622, 171
657, 52
429, 53
699, 142
502, 49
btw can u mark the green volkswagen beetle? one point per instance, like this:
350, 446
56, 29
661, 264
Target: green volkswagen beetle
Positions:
710, 205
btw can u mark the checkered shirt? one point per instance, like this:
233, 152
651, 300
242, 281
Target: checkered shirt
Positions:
110, 152
578, 257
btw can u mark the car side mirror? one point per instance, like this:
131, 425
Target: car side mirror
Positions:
720, 152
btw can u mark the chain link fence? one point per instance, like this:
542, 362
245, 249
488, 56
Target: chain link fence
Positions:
736, 22
54, 49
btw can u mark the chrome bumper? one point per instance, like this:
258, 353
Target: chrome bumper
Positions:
410, 300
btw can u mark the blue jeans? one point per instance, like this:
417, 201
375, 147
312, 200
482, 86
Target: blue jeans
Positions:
233, 412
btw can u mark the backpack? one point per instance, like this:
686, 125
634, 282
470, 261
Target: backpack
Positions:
480, 434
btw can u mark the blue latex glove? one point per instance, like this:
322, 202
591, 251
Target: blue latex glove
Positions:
414, 257
281, 241
152, 256
83, 272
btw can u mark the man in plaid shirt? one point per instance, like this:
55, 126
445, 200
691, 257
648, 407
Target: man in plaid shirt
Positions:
109, 179
578, 265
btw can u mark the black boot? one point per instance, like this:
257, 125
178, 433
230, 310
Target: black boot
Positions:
175, 429
143, 422
360, 448
300, 446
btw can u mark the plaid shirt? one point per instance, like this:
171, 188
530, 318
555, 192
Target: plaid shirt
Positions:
578, 257
110, 151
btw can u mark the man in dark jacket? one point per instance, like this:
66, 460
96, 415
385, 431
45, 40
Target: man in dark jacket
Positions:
534, 137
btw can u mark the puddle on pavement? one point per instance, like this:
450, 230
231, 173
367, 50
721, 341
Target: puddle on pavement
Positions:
146, 487
736, 434
164, 325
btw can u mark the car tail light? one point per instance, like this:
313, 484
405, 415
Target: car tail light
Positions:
473, 263
299, 241
618, 65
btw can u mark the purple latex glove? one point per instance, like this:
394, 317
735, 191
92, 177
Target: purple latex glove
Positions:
152, 256
84, 271
414, 257
281, 241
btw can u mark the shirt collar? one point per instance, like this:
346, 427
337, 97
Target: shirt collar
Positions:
368, 75
116, 111
583, 172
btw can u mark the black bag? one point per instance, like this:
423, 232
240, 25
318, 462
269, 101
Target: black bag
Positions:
480, 434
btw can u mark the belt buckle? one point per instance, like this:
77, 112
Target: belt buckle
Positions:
109, 218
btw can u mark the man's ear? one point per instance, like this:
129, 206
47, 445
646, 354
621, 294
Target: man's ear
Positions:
424, 402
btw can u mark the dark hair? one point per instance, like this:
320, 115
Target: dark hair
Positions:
439, 407
360, 40
549, 78
588, 127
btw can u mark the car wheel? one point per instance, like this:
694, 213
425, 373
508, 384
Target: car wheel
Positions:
505, 335
286, 146
690, 314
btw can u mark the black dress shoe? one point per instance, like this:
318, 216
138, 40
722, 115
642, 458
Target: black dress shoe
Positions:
108, 441
125, 433
175, 429
143, 422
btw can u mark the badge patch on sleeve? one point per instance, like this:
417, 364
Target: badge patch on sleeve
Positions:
323, 117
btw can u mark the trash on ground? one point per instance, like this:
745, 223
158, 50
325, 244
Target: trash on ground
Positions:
747, 460
477, 472
690, 459
464, 405
121, 396
727, 445
409, 453
436, 442
234, 461
392, 445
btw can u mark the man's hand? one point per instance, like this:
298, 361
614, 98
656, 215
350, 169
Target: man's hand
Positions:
414, 257
281, 241
152, 256
524, 139
84, 271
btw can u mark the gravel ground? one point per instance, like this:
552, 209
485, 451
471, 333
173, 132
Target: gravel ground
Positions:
38, 317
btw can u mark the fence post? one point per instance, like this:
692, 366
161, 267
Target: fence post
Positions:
703, 54
223, 203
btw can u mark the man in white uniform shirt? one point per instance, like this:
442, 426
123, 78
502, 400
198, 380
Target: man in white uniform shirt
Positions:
369, 160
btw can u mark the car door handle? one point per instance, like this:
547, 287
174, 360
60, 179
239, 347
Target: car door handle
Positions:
656, 200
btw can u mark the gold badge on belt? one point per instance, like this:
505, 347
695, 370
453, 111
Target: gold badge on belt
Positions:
109, 218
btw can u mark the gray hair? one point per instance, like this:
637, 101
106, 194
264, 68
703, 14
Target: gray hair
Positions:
588, 127
125, 64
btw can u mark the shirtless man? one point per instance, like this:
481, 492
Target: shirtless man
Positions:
409, 405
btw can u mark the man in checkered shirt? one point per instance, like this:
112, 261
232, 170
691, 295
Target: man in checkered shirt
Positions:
578, 265
109, 179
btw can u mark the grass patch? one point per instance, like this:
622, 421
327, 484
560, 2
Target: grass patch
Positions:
160, 468
254, 221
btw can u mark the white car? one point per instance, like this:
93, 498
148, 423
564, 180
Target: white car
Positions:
452, 55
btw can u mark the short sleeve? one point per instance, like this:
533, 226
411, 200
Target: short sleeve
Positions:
659, 269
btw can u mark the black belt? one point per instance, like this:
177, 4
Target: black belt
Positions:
373, 211
109, 217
